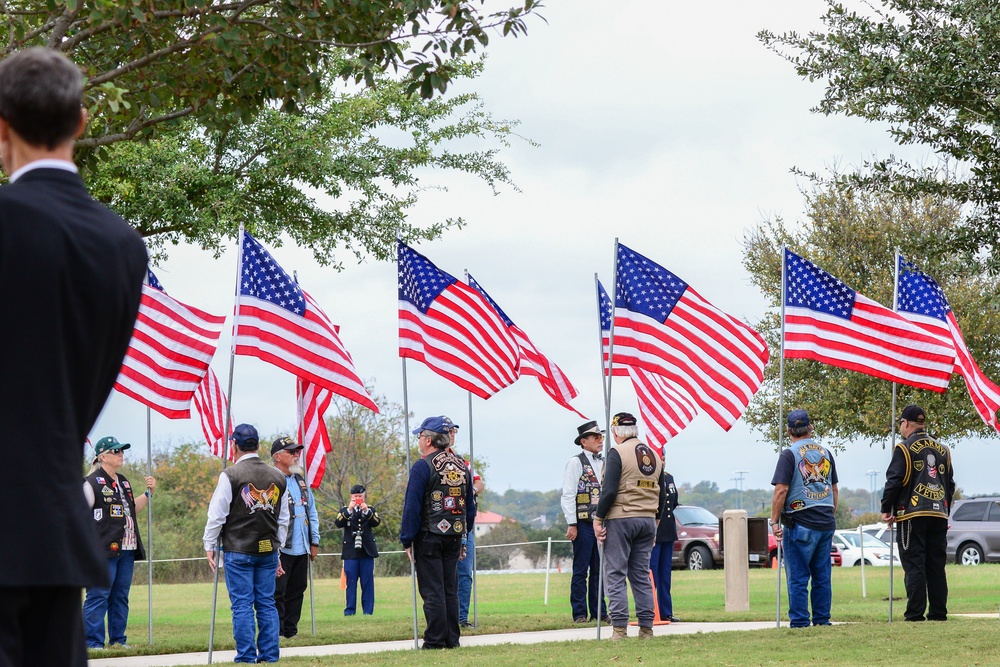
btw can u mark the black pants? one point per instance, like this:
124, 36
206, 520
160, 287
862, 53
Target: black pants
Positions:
436, 562
42, 625
288, 592
924, 557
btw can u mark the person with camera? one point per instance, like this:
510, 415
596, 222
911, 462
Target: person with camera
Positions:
302, 540
359, 551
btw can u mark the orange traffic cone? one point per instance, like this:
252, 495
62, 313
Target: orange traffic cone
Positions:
656, 605
343, 579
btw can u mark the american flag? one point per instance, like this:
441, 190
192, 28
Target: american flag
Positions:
171, 347
451, 328
554, 382
664, 410
313, 435
211, 403
829, 322
663, 326
923, 302
277, 322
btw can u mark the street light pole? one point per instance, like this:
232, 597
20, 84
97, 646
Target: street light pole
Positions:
872, 474
739, 484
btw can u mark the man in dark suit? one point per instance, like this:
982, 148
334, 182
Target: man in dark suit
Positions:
70, 282
359, 551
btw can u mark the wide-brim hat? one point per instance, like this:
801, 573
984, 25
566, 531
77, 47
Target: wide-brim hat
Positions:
590, 428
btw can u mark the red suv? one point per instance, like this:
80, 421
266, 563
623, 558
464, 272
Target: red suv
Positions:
697, 545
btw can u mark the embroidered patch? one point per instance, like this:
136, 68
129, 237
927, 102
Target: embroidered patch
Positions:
436, 495
458, 526
116, 511
265, 546
583, 499
645, 459
449, 503
98, 514
455, 491
260, 499
645, 484
797, 504
443, 525
107, 491
114, 546
100, 480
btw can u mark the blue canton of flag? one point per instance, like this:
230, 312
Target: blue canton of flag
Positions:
604, 303
264, 279
420, 282
153, 282
919, 293
646, 287
809, 286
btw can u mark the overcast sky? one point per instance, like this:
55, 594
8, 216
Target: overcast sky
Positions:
663, 123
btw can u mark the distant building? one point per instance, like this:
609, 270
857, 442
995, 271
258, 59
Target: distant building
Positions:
486, 521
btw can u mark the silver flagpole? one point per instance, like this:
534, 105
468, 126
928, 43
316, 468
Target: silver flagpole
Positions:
892, 437
299, 411
781, 412
149, 522
472, 462
607, 415
225, 426
607, 411
413, 569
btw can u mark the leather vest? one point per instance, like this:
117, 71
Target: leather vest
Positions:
925, 487
444, 498
810, 485
639, 484
252, 524
588, 490
303, 502
113, 503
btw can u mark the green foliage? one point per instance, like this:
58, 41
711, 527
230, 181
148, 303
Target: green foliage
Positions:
538, 551
498, 558
853, 234
339, 173
150, 63
927, 69
524, 506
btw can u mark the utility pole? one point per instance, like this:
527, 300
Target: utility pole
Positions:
872, 488
739, 484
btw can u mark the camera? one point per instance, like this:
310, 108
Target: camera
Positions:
358, 539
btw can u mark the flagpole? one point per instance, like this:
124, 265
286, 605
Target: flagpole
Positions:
149, 522
892, 431
406, 439
781, 411
225, 426
607, 417
472, 461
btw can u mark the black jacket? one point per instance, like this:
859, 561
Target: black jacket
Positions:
350, 520
667, 530
71, 276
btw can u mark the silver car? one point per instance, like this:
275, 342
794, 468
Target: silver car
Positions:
974, 531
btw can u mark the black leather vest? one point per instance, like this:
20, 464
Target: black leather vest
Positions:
588, 491
252, 524
925, 483
111, 501
444, 498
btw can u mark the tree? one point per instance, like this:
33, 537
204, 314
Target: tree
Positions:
853, 236
151, 63
341, 172
928, 69
507, 531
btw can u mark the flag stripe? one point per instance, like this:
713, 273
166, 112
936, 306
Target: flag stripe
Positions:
211, 404
313, 433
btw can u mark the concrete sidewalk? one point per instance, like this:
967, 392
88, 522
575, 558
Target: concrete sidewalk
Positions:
184, 659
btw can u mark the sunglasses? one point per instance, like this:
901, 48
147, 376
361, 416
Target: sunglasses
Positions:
115, 451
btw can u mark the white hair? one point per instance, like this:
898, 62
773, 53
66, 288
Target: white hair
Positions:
626, 432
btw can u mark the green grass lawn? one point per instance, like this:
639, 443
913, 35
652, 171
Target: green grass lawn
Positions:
514, 603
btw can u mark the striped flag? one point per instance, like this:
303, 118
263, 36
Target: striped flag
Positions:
171, 347
313, 435
663, 326
277, 322
452, 329
664, 410
829, 322
553, 381
211, 403
923, 302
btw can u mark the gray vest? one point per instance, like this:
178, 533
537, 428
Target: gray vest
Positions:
252, 524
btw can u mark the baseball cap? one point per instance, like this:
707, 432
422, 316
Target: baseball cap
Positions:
798, 419
913, 413
108, 443
282, 443
437, 424
245, 437
623, 419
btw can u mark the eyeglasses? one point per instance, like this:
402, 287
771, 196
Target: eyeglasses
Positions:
116, 452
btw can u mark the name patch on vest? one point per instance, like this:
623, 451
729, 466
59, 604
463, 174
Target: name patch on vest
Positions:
265, 546
645, 459
645, 484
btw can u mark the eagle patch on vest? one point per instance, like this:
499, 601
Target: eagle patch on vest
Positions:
260, 499
645, 459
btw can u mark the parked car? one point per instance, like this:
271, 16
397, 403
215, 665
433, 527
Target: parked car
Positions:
880, 531
697, 545
876, 552
836, 558
974, 531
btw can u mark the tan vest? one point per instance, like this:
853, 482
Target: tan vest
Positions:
639, 486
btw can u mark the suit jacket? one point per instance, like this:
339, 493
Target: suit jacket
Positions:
349, 521
71, 276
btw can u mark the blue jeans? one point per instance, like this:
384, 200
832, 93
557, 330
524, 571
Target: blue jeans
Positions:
250, 581
465, 567
661, 562
807, 556
586, 557
112, 602
362, 569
